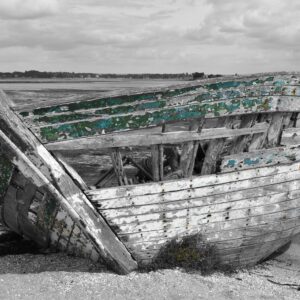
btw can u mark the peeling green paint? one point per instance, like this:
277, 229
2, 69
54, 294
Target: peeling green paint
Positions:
105, 111
6, 170
110, 101
126, 99
150, 118
235, 84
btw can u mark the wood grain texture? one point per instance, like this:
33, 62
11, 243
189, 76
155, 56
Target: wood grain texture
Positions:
152, 138
189, 150
237, 212
214, 149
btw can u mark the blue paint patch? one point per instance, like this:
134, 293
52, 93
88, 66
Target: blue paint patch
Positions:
251, 162
231, 163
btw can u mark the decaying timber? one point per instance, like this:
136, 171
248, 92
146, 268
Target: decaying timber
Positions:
119, 178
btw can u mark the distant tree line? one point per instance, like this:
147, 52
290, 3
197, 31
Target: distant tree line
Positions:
38, 74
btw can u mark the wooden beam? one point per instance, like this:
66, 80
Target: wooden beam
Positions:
71, 171
155, 155
275, 129
239, 143
189, 150
152, 118
258, 140
117, 162
214, 150
152, 138
39, 166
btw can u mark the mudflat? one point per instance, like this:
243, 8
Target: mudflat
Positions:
58, 276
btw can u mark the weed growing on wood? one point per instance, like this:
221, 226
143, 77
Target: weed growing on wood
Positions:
191, 254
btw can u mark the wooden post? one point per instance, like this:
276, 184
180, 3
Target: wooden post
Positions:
214, 150
117, 162
157, 154
240, 143
195, 146
32, 159
155, 162
259, 139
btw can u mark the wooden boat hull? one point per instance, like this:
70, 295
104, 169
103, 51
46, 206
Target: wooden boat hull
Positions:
244, 206
245, 215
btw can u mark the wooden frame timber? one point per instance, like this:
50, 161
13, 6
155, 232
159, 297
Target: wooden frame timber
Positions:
37, 164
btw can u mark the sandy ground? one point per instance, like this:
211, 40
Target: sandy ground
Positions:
57, 276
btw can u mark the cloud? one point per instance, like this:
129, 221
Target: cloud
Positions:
27, 9
221, 36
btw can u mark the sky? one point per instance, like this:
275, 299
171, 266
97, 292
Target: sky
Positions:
157, 36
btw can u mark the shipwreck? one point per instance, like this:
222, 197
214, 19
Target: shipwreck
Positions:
117, 177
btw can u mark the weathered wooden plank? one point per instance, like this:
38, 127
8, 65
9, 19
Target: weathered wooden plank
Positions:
139, 120
152, 138
155, 162
253, 247
215, 89
258, 140
214, 193
231, 233
36, 163
71, 171
229, 240
275, 129
120, 97
142, 105
209, 203
261, 158
207, 181
217, 238
272, 220
198, 215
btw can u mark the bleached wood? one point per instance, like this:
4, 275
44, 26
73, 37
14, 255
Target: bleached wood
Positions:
189, 151
212, 181
72, 172
117, 162
219, 231
136, 139
239, 143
